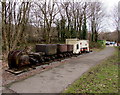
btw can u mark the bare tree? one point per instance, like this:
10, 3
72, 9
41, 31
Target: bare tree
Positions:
119, 22
96, 18
73, 13
0, 30
49, 11
14, 22
37, 20
116, 20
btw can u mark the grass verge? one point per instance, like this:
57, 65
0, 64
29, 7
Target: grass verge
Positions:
102, 78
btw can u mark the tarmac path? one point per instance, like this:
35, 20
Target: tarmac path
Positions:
58, 78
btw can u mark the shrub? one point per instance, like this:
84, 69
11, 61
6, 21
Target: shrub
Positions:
96, 45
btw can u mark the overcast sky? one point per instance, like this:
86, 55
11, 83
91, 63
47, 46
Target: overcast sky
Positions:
108, 6
110, 3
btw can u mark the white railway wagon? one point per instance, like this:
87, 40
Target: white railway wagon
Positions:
84, 45
78, 45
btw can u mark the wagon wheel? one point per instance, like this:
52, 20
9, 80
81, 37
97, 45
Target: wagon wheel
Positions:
18, 55
11, 59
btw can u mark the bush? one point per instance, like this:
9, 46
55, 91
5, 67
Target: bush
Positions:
96, 45
33, 40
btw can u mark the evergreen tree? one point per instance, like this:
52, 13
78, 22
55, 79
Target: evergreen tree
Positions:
84, 28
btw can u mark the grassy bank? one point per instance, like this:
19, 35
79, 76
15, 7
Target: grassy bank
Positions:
102, 78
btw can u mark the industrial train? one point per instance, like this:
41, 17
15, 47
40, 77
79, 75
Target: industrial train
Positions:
47, 52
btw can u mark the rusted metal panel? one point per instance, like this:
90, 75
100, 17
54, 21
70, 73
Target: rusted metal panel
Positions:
17, 58
48, 49
61, 48
69, 48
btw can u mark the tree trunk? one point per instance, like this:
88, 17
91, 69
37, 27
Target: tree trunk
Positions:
4, 27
